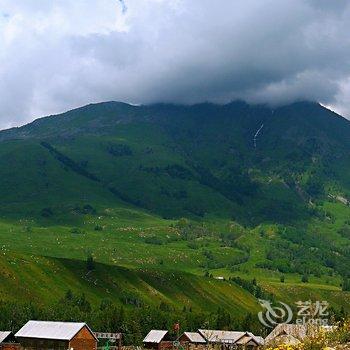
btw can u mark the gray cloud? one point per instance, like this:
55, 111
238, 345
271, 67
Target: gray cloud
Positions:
56, 55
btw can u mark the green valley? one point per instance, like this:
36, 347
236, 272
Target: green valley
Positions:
165, 199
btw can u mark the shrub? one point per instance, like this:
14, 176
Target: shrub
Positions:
305, 278
346, 285
192, 245
46, 212
154, 240
76, 230
90, 263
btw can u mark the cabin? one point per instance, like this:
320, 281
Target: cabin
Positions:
8, 341
293, 334
157, 340
42, 335
249, 341
231, 339
290, 334
192, 340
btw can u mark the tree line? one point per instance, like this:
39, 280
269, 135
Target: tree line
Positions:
134, 321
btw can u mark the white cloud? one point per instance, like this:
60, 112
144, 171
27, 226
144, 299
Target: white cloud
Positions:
59, 54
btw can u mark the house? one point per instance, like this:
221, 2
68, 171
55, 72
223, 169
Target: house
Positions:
293, 334
284, 333
8, 341
56, 335
249, 340
157, 339
231, 339
192, 340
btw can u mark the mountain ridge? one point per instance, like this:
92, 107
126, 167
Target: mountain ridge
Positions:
115, 106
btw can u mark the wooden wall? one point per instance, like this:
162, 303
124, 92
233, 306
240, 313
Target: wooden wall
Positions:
10, 346
83, 340
42, 344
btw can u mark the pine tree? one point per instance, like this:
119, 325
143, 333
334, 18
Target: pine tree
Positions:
90, 263
346, 284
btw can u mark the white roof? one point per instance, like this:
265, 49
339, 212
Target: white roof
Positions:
155, 336
195, 337
216, 336
4, 335
230, 337
50, 330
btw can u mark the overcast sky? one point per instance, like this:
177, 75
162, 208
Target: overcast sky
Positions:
59, 54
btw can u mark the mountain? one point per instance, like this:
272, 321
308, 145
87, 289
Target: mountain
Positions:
233, 190
180, 160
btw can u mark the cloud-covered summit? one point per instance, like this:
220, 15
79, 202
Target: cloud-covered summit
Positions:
59, 54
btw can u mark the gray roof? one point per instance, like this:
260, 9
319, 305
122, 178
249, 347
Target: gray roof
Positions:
259, 339
194, 337
289, 331
249, 339
228, 337
217, 336
155, 336
51, 330
297, 331
4, 335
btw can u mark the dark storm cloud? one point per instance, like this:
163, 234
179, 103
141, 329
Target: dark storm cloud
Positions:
61, 54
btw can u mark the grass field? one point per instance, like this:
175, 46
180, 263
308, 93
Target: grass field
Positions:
42, 261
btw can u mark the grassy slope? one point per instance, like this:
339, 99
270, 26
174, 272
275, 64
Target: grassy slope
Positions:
294, 291
45, 280
52, 257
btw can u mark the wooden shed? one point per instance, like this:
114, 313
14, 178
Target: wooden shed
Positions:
231, 339
192, 340
283, 333
157, 340
42, 335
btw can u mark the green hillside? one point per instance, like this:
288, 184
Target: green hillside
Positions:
161, 196
31, 275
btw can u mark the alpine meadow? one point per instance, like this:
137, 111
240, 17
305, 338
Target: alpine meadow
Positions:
152, 205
